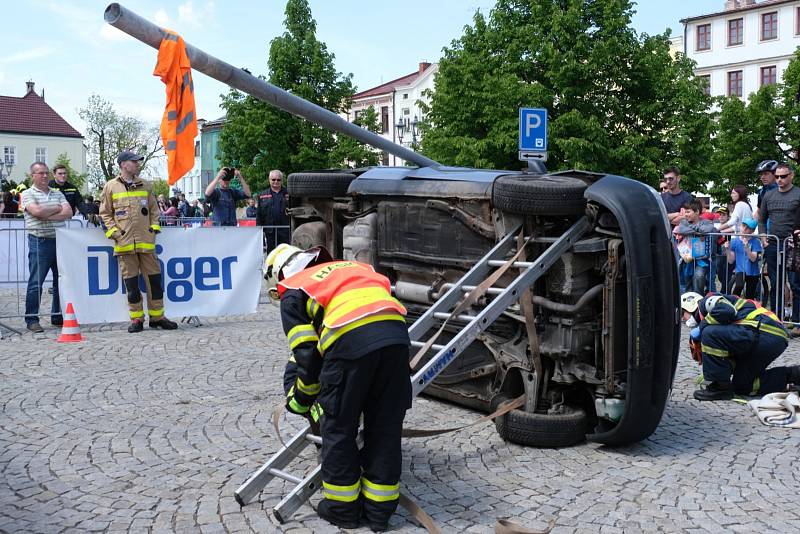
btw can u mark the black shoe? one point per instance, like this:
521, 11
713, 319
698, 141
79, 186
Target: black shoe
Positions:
715, 391
57, 322
135, 326
36, 328
324, 512
164, 323
794, 375
378, 527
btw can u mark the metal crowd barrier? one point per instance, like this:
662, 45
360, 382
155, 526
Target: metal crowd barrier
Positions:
15, 270
720, 275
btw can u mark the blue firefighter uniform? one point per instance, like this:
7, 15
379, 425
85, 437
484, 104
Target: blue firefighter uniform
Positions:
739, 339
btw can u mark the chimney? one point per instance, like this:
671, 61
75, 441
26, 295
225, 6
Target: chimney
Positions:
749, 2
30, 85
423, 65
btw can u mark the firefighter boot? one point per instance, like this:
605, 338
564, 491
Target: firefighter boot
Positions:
715, 391
325, 512
164, 323
136, 326
793, 381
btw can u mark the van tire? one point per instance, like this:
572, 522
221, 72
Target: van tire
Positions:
539, 195
319, 184
542, 429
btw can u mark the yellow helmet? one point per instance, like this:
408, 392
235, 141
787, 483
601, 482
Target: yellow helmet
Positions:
286, 260
690, 301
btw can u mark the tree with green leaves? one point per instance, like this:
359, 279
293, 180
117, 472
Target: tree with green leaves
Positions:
109, 132
617, 101
352, 153
259, 137
75, 178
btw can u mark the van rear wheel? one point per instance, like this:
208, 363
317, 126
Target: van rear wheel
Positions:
563, 429
319, 184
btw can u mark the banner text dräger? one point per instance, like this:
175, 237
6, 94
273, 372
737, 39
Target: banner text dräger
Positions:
177, 275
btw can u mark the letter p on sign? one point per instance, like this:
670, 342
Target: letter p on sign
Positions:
533, 129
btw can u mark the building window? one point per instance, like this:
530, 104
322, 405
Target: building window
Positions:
735, 32
769, 26
797, 21
769, 75
385, 158
197, 149
41, 154
10, 155
357, 115
405, 96
735, 83
705, 83
385, 120
704, 37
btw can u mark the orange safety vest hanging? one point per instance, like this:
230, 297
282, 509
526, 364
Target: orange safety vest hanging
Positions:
179, 124
346, 290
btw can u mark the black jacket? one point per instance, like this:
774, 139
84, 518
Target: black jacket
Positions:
72, 194
271, 208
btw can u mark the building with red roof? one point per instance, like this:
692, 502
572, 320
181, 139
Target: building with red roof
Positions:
30, 130
397, 105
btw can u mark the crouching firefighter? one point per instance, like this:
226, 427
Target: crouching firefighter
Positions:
349, 342
738, 340
130, 214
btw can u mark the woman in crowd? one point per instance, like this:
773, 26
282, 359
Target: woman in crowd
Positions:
740, 210
170, 216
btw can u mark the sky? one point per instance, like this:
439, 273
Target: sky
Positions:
66, 48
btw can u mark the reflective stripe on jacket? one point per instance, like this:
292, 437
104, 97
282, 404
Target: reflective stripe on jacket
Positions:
179, 124
130, 215
343, 296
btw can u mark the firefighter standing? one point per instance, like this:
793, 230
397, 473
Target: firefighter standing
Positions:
130, 214
343, 310
738, 340
271, 211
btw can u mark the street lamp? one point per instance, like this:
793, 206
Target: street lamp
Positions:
414, 124
400, 127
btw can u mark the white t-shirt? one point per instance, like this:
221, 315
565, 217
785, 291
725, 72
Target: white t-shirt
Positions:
741, 211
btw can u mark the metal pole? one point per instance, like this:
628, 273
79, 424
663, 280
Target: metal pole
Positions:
150, 34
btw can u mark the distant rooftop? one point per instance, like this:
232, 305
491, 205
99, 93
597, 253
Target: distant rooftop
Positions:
31, 115
737, 7
388, 87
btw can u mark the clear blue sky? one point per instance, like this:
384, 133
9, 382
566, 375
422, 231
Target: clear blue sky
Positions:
66, 48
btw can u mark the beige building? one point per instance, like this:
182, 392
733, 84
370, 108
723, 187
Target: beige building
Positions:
396, 103
30, 130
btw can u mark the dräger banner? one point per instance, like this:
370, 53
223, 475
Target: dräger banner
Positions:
206, 272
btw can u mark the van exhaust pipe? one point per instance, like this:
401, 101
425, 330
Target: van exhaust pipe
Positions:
145, 31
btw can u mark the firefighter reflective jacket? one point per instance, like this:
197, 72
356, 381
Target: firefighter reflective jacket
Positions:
179, 124
130, 215
732, 310
349, 295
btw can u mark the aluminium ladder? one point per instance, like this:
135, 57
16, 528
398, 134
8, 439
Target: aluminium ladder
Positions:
444, 354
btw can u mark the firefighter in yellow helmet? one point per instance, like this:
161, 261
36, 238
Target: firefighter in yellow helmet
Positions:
349, 342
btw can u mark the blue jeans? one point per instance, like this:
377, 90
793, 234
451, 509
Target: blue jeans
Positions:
41, 258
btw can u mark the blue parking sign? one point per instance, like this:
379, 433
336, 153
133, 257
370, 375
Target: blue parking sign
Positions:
533, 129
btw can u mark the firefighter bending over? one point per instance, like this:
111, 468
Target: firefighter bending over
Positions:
738, 340
349, 344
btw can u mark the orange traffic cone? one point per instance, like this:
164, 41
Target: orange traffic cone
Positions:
71, 331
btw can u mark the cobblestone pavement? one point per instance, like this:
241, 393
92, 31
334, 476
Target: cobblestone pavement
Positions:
153, 432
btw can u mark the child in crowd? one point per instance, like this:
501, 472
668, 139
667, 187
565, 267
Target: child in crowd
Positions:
745, 252
695, 229
723, 270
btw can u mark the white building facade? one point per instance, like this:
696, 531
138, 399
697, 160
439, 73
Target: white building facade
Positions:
398, 101
746, 45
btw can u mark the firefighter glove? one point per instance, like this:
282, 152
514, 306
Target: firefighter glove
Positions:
301, 397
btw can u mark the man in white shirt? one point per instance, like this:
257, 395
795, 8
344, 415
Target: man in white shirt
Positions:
45, 209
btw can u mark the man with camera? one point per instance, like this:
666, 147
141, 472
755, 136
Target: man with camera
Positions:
223, 199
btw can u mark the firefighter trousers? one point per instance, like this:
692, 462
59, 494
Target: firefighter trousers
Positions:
145, 263
377, 385
734, 353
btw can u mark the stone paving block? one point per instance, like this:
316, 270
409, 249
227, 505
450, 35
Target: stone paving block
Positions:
155, 440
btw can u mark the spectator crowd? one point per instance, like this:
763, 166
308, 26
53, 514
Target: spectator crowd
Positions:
734, 248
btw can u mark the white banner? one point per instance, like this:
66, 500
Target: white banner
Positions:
206, 272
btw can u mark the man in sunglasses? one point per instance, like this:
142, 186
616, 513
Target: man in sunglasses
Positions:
271, 211
779, 207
